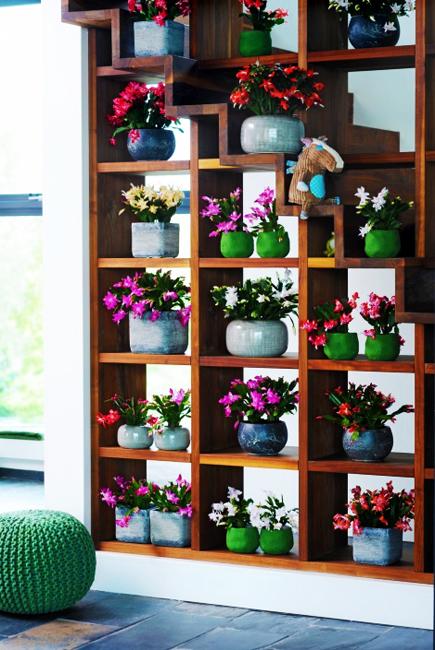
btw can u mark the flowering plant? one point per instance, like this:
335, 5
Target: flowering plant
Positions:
260, 18
330, 317
133, 411
132, 494
151, 293
380, 313
382, 508
261, 399
139, 106
171, 408
148, 204
381, 211
160, 11
264, 212
362, 407
268, 90
234, 513
175, 497
369, 8
225, 213
260, 299
273, 514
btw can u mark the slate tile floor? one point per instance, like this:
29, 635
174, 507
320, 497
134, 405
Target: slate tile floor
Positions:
118, 622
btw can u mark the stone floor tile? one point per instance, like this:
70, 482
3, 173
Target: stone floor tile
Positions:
228, 638
283, 624
325, 638
210, 610
56, 635
400, 638
12, 624
353, 625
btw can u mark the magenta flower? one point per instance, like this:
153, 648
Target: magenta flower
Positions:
155, 315
371, 333
110, 300
108, 497
142, 490
177, 396
139, 308
184, 315
185, 512
229, 399
119, 316
170, 295
123, 522
266, 197
127, 300
172, 498
257, 401
272, 396
121, 481
254, 383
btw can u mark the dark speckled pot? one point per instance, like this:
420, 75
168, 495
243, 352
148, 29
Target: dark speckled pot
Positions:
264, 439
152, 144
368, 32
371, 446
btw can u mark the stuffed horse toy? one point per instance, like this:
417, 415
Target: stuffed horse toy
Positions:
308, 183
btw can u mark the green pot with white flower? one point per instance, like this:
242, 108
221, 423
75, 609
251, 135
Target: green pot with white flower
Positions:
275, 522
235, 515
382, 243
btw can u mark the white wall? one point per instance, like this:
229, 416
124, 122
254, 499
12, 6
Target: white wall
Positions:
67, 390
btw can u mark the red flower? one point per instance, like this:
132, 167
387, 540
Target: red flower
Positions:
344, 409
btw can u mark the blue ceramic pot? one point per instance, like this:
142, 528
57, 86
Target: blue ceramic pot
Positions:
151, 39
272, 134
170, 529
380, 546
257, 338
172, 439
152, 144
263, 439
371, 446
130, 437
166, 335
138, 529
370, 32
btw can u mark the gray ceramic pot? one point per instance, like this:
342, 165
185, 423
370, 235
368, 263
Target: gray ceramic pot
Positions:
257, 338
172, 439
151, 39
152, 144
371, 446
169, 529
138, 529
272, 134
380, 546
155, 239
166, 335
263, 439
134, 437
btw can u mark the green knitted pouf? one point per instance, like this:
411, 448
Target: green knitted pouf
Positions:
47, 561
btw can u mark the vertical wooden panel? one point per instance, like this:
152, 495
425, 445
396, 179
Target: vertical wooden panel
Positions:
419, 461
214, 484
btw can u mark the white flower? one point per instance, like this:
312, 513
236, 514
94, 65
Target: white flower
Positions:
216, 517
378, 203
266, 523
344, 4
395, 8
231, 297
362, 195
287, 276
231, 510
293, 517
255, 516
281, 295
219, 507
364, 230
409, 5
390, 27
233, 493
262, 298
277, 526
281, 513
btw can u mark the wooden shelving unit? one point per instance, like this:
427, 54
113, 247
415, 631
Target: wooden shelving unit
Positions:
197, 88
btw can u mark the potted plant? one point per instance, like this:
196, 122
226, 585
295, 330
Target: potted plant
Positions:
373, 23
272, 238
258, 40
275, 522
226, 215
381, 232
378, 519
153, 235
258, 404
132, 500
274, 93
255, 309
140, 110
362, 412
158, 311
136, 432
169, 435
171, 516
156, 33
234, 515
330, 328
383, 338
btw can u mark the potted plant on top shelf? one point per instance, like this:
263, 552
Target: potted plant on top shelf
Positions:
381, 232
153, 235
275, 93
136, 430
255, 309
140, 110
258, 41
226, 215
234, 515
156, 33
373, 23
272, 238
171, 409
383, 338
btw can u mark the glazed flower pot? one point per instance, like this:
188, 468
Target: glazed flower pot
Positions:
166, 335
272, 134
370, 32
382, 243
256, 338
255, 43
130, 437
155, 239
379, 546
384, 347
151, 144
269, 244
341, 345
371, 446
138, 529
242, 540
172, 439
151, 39
262, 439
276, 542
170, 529
237, 244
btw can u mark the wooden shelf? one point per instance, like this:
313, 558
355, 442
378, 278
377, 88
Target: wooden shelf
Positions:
240, 61
131, 358
144, 167
377, 263
248, 263
145, 454
289, 361
396, 464
362, 364
287, 459
143, 263
375, 58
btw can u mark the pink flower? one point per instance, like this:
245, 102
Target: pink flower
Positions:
139, 308
178, 396
142, 490
318, 341
370, 333
257, 401
119, 316
123, 522
155, 315
341, 522
338, 306
184, 315
170, 295
345, 319
108, 497
272, 396
309, 325
110, 300
229, 399
186, 511
172, 498
330, 324
134, 135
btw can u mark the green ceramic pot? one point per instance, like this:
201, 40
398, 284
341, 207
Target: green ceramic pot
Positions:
237, 244
384, 347
341, 345
255, 43
382, 243
276, 542
242, 540
269, 244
